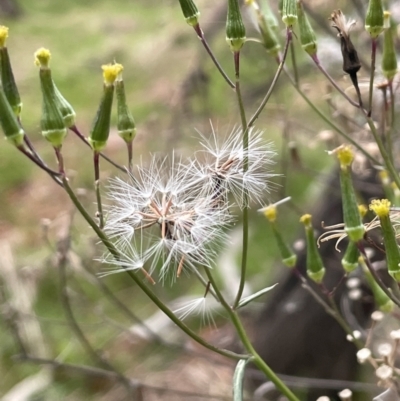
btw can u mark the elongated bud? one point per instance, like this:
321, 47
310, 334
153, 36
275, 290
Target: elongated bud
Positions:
374, 18
7, 75
351, 215
126, 123
289, 12
235, 30
389, 59
8, 121
52, 122
350, 258
382, 209
269, 16
315, 267
384, 303
190, 12
42, 59
308, 39
269, 37
67, 111
101, 126
289, 259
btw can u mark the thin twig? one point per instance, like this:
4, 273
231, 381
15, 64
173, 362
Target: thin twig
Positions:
202, 38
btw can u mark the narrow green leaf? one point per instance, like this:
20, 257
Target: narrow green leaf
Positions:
254, 296
238, 377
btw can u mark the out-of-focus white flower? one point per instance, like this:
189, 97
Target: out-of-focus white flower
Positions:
224, 167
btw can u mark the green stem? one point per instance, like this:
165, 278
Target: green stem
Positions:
200, 35
391, 121
245, 129
114, 251
375, 276
97, 188
333, 82
274, 81
294, 62
371, 80
258, 361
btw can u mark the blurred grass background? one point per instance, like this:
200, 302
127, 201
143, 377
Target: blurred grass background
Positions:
173, 90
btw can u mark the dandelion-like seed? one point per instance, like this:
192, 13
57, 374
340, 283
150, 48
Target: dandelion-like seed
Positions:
202, 306
228, 168
161, 209
171, 215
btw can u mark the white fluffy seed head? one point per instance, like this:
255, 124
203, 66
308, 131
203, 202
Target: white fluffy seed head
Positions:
178, 211
175, 224
220, 167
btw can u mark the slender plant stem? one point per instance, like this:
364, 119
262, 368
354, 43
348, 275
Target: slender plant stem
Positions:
377, 279
333, 82
274, 81
371, 80
114, 251
48, 170
294, 62
390, 127
121, 306
130, 156
330, 308
259, 362
202, 38
245, 141
60, 160
329, 122
76, 131
97, 188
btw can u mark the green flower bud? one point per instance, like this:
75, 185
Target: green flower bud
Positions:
350, 258
384, 303
308, 39
67, 111
7, 75
235, 30
374, 18
190, 12
289, 12
352, 219
8, 121
382, 209
126, 123
52, 122
389, 59
101, 126
289, 259
267, 24
315, 267
269, 16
